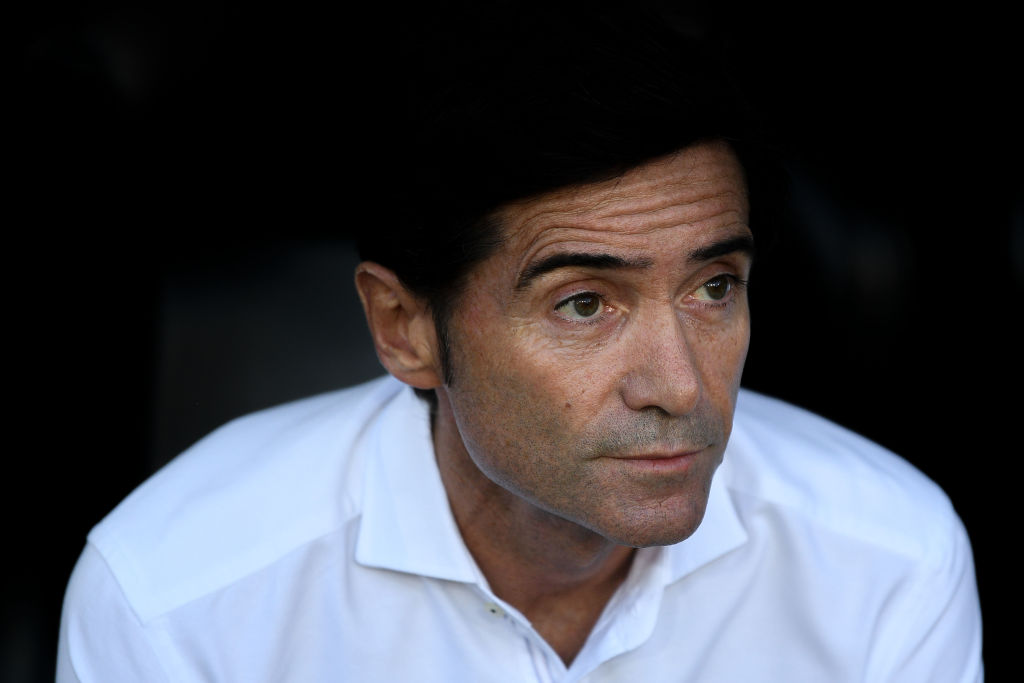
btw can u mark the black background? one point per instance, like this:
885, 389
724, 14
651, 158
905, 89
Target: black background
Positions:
184, 176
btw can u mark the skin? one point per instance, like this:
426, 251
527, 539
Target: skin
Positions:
591, 399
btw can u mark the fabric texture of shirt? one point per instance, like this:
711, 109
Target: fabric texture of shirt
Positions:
314, 542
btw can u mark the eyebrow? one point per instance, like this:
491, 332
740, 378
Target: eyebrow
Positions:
741, 243
578, 260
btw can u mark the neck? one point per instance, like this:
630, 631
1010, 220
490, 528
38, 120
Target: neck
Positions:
559, 574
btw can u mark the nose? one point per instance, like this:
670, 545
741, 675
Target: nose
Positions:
662, 369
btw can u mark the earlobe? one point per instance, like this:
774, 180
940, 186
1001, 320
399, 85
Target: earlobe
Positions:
401, 326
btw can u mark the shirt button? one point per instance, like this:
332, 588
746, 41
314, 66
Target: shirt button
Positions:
495, 609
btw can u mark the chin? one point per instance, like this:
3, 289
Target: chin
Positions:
647, 541
656, 532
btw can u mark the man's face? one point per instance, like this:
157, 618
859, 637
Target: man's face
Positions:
597, 355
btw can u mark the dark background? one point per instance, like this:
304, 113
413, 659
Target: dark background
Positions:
183, 178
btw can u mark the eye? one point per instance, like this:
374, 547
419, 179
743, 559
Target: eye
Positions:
581, 306
715, 289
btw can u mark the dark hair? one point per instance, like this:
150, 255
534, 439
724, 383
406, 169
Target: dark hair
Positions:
512, 101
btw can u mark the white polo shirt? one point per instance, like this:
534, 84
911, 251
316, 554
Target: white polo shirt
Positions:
314, 542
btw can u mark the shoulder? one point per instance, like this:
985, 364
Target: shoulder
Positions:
829, 477
250, 492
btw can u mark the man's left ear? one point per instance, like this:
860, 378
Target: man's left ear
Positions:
401, 325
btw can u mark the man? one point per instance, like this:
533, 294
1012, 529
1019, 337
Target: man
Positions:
560, 479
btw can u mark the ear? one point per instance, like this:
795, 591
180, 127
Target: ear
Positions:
401, 326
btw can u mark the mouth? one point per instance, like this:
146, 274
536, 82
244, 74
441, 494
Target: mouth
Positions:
668, 462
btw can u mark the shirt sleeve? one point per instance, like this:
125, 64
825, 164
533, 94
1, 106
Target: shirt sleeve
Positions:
934, 630
101, 638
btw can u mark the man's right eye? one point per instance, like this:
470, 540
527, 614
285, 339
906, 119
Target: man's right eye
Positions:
583, 306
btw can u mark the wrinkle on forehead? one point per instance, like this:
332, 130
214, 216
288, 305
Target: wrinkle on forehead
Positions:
632, 233
696, 188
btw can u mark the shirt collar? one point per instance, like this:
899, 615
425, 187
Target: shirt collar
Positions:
407, 524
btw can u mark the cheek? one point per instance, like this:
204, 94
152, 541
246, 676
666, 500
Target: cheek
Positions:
518, 403
722, 355
512, 433
734, 351
519, 363
567, 390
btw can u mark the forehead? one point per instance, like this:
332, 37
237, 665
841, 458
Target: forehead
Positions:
696, 191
